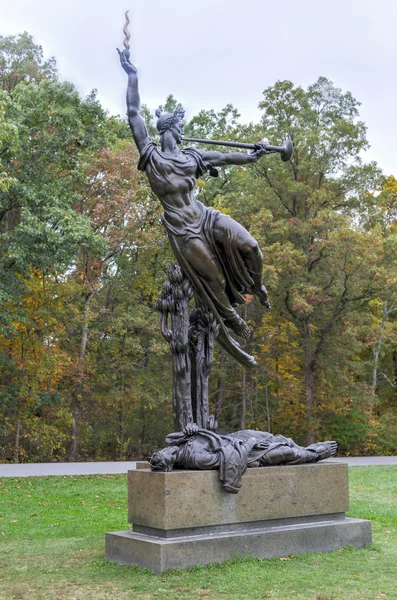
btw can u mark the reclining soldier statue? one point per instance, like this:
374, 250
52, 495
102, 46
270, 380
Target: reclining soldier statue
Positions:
201, 449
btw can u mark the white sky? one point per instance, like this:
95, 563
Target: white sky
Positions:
208, 53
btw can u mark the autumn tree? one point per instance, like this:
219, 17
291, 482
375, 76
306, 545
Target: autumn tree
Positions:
109, 200
321, 262
21, 60
47, 136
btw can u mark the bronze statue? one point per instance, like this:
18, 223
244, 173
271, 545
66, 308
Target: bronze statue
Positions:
218, 256
196, 448
219, 262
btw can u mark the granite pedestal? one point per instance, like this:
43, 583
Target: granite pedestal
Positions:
185, 518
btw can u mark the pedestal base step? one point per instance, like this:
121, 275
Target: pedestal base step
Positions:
159, 553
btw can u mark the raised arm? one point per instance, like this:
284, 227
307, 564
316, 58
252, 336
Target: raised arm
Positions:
220, 159
135, 120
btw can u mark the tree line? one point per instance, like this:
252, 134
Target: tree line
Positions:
84, 371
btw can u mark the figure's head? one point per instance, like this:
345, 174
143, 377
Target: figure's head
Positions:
163, 460
172, 122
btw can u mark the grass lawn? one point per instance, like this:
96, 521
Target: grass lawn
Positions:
52, 547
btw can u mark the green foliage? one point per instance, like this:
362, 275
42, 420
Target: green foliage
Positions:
21, 60
8, 140
56, 132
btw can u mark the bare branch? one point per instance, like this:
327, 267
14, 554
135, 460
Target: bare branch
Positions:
387, 379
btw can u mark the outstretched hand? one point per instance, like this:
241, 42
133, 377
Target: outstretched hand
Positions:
125, 62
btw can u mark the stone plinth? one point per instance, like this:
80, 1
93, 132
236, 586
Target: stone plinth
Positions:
141, 464
186, 499
185, 518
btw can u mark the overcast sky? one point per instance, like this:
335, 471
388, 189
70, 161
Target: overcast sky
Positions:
208, 53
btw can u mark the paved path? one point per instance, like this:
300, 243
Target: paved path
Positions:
78, 468
100, 468
363, 461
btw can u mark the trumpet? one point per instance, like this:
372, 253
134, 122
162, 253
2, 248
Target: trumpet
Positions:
285, 150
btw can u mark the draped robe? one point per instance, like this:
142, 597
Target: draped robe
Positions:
166, 172
232, 454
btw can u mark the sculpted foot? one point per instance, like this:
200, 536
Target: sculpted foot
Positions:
324, 449
240, 327
263, 297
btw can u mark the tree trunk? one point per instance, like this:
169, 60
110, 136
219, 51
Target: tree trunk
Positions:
375, 353
221, 386
77, 394
121, 406
244, 399
309, 383
17, 440
72, 451
267, 407
142, 409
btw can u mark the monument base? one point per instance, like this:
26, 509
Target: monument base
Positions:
185, 518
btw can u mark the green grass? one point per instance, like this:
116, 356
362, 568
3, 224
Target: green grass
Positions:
52, 547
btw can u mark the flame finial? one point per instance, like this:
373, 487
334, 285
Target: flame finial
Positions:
126, 31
